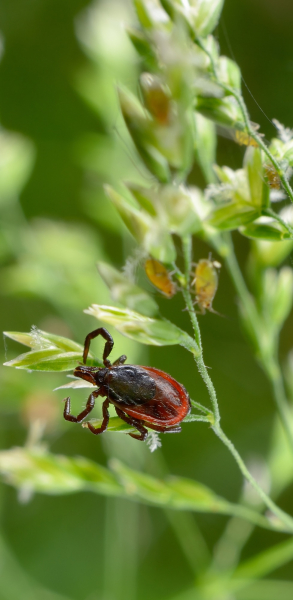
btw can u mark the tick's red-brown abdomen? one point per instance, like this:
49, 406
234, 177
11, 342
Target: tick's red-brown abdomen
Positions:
168, 407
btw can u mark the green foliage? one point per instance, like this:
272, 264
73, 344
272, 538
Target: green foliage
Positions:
186, 90
46, 473
143, 329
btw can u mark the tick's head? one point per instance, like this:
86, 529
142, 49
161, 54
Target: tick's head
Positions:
87, 373
100, 375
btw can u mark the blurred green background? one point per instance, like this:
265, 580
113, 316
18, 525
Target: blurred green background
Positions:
61, 60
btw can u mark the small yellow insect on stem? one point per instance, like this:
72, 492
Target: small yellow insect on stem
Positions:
206, 283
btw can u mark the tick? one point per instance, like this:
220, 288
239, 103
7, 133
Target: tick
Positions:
160, 277
142, 396
206, 283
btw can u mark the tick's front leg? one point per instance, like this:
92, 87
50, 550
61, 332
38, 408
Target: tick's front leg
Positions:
89, 407
108, 346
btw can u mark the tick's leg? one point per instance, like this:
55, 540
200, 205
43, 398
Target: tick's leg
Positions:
162, 429
105, 419
119, 361
135, 423
108, 345
89, 407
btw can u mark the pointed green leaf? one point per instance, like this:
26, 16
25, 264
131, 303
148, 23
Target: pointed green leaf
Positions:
208, 14
143, 329
271, 254
201, 16
41, 471
46, 360
23, 338
253, 166
74, 384
47, 473
266, 228
232, 215
140, 127
143, 46
182, 494
136, 221
229, 72
146, 197
41, 340
223, 111
175, 205
277, 295
49, 352
150, 13
205, 145
150, 232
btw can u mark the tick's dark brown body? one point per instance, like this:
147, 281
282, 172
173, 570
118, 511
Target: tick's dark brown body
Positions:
142, 396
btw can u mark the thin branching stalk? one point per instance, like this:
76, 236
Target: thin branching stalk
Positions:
271, 367
278, 512
250, 130
269, 212
286, 519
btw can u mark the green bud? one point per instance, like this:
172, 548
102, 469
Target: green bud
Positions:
288, 374
254, 170
266, 228
201, 16
208, 15
283, 296
144, 197
140, 127
223, 111
150, 13
277, 148
283, 151
277, 296
205, 145
235, 207
229, 72
151, 233
161, 144
126, 292
271, 254
288, 155
174, 205
232, 215
136, 221
143, 46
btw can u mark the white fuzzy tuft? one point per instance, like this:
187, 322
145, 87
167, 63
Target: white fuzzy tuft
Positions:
153, 441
